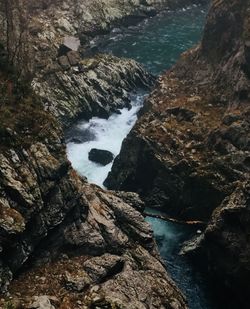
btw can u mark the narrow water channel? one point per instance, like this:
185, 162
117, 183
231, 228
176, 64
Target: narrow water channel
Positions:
157, 43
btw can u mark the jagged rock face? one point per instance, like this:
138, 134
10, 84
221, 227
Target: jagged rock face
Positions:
97, 86
47, 211
45, 208
227, 236
226, 45
36, 195
184, 155
106, 281
54, 41
49, 23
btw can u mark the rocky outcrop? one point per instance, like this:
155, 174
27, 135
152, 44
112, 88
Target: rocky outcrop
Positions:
53, 47
227, 236
189, 151
96, 86
49, 216
54, 28
83, 246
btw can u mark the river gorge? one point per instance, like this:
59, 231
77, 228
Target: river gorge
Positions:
124, 154
156, 43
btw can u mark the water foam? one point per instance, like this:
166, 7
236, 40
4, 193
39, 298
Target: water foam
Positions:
108, 135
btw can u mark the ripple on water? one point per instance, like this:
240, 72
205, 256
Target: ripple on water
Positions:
159, 41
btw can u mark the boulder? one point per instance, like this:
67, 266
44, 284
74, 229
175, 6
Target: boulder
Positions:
100, 156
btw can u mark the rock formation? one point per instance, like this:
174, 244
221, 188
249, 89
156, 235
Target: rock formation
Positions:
191, 143
225, 246
189, 151
96, 86
55, 48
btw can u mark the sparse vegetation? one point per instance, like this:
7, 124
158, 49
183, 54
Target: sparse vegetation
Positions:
22, 117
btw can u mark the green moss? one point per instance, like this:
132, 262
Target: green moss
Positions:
9, 305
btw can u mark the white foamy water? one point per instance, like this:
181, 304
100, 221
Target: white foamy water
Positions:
108, 135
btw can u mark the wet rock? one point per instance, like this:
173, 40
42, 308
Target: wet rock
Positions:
224, 248
78, 136
100, 156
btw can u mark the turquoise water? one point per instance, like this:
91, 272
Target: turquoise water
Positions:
170, 237
158, 42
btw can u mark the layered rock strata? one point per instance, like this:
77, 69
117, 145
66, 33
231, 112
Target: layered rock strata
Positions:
96, 86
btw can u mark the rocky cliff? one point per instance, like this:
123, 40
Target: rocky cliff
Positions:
191, 143
224, 246
189, 152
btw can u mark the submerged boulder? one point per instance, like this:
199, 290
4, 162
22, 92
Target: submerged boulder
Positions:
100, 156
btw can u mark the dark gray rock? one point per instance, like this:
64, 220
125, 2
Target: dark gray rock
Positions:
100, 156
223, 250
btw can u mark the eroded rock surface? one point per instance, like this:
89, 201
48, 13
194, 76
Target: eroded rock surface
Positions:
97, 86
55, 48
84, 247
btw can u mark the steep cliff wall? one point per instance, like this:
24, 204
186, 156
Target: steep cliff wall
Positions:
194, 128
